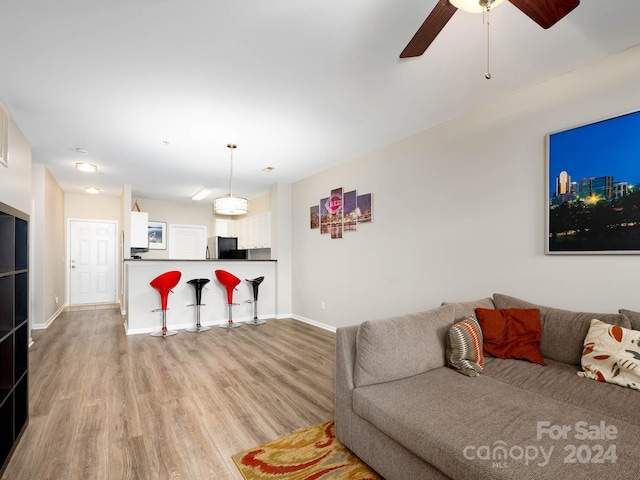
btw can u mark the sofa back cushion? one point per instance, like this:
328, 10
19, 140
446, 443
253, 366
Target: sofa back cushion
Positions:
563, 331
402, 346
633, 316
464, 310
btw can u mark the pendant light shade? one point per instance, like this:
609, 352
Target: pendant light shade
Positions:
230, 205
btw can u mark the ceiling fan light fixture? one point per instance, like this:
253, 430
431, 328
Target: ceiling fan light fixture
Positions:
474, 6
230, 205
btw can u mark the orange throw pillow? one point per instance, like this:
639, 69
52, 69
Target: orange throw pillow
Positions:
511, 333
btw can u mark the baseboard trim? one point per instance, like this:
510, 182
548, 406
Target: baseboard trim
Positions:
91, 306
324, 326
184, 326
45, 325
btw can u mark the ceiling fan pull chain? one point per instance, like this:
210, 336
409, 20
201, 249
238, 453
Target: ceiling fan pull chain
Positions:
488, 10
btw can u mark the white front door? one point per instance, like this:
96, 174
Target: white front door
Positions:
92, 262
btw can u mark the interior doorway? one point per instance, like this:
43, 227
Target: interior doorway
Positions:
92, 261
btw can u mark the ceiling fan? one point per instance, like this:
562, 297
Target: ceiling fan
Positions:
544, 12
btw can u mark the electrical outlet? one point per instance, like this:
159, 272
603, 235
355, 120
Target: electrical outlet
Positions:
57, 299
322, 305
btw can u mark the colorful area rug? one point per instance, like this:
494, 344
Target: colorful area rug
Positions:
312, 454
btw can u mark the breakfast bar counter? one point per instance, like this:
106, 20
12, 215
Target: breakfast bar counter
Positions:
140, 299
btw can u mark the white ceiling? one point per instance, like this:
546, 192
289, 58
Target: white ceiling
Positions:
299, 86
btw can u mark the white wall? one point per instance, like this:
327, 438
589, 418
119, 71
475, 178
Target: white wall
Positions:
91, 207
459, 212
15, 191
53, 251
174, 213
15, 180
48, 260
281, 245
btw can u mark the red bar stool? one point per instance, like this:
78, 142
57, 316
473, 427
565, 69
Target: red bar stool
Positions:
197, 284
164, 283
255, 283
228, 281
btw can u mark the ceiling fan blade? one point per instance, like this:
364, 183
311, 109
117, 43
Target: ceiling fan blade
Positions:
545, 12
430, 29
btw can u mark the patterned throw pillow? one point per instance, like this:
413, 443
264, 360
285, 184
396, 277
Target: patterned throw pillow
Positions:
612, 354
464, 347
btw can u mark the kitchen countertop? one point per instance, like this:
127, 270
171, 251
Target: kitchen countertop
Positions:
191, 260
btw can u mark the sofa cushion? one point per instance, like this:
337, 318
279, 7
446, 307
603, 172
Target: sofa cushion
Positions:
563, 331
431, 415
401, 346
464, 347
511, 333
612, 354
634, 317
464, 310
559, 381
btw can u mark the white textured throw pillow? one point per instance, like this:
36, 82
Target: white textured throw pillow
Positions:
612, 354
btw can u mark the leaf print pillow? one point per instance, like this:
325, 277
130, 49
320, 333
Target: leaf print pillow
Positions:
612, 354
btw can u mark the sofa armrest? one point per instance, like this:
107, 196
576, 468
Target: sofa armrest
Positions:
345, 364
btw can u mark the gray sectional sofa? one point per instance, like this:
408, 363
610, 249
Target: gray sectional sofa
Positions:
409, 416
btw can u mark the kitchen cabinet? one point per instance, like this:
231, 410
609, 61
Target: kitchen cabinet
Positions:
139, 230
254, 232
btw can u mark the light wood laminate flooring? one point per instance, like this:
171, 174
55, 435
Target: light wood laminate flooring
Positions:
104, 405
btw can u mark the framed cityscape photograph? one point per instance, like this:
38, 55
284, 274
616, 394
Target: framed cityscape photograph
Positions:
593, 188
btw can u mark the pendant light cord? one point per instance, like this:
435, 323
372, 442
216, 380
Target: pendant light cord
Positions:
488, 10
231, 146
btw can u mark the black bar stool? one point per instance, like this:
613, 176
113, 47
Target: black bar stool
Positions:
197, 284
255, 283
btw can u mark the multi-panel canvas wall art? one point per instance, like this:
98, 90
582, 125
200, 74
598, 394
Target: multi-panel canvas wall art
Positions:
341, 212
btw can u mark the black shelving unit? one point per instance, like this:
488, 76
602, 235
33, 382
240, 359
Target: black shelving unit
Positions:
14, 329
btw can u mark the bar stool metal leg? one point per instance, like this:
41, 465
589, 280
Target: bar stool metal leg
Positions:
164, 332
255, 283
198, 284
197, 327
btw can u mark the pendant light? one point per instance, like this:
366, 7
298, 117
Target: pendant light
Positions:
230, 205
